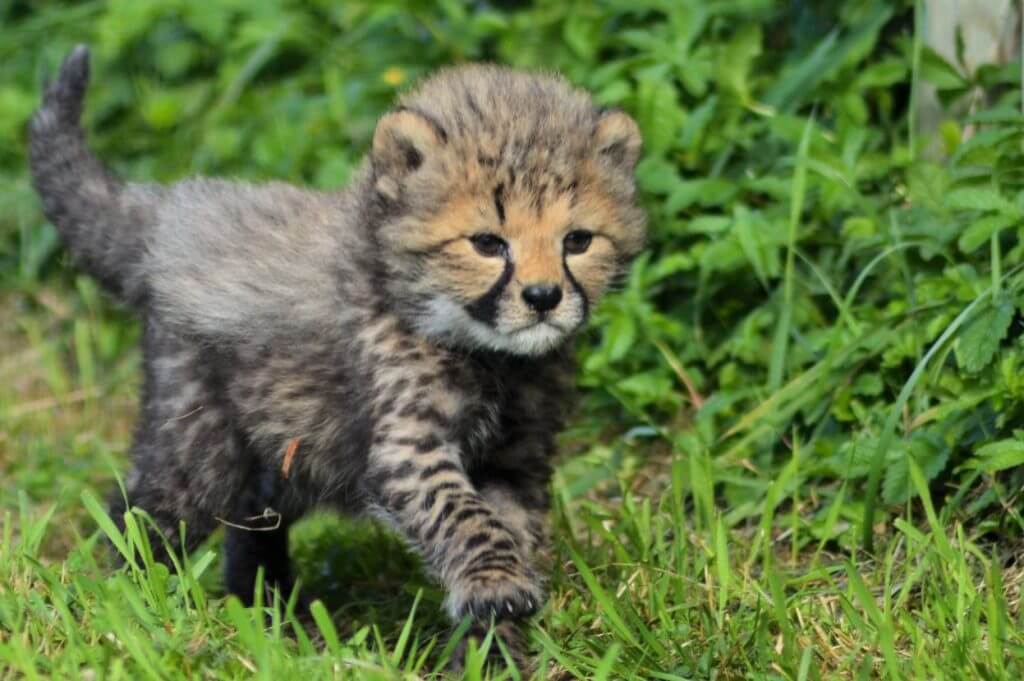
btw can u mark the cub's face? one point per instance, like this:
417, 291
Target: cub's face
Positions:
511, 275
506, 253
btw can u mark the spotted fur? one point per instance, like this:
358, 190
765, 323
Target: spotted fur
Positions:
409, 332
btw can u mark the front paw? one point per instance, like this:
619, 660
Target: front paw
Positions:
507, 591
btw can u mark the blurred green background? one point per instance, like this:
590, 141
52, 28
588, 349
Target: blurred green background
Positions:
827, 320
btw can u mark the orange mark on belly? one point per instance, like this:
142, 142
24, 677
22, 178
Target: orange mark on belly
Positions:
289, 455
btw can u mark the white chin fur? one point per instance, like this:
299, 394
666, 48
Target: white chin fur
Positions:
448, 321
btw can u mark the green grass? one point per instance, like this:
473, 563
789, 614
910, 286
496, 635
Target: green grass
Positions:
650, 577
798, 455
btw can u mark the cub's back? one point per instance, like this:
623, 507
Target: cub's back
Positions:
237, 261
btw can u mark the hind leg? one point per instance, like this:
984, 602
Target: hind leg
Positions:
257, 538
190, 464
246, 551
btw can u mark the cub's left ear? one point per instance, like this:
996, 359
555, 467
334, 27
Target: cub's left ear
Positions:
617, 139
402, 142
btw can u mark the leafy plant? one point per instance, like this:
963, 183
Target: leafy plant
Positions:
819, 352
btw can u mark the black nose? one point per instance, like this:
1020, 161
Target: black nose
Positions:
542, 297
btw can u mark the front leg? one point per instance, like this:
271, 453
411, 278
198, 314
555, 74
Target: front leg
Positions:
417, 479
424, 491
517, 488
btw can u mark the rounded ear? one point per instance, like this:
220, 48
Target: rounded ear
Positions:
617, 139
402, 140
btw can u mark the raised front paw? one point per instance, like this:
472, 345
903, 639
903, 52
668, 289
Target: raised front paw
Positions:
506, 590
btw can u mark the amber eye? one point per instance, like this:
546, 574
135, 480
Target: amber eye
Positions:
577, 241
489, 245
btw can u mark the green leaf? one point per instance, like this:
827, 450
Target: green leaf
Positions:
998, 456
735, 60
975, 198
16, 106
709, 192
868, 384
883, 73
939, 72
794, 83
163, 109
621, 335
982, 230
979, 340
929, 453
750, 242
896, 484
659, 114
657, 176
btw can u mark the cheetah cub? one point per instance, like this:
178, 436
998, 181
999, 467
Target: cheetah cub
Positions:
396, 349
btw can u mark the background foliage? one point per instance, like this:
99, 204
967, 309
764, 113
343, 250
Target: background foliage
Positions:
819, 352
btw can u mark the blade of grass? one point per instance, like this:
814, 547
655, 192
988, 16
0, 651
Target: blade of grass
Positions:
780, 341
996, 606
604, 668
99, 514
604, 600
326, 627
722, 568
921, 487
882, 623
403, 637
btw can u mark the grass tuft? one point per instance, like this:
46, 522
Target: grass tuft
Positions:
815, 356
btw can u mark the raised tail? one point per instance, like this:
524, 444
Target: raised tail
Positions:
101, 219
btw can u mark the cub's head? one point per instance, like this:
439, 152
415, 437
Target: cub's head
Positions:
507, 207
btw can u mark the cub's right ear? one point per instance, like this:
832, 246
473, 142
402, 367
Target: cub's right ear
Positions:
404, 138
617, 139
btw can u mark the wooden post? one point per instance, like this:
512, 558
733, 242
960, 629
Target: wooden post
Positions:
991, 31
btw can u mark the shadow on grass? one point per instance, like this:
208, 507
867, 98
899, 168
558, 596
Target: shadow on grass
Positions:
364, 574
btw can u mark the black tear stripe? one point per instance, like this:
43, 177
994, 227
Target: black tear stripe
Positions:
579, 289
485, 308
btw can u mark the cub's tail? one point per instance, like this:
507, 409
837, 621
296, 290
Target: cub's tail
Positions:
101, 219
